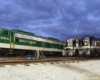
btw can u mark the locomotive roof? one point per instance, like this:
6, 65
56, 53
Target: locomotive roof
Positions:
23, 32
31, 34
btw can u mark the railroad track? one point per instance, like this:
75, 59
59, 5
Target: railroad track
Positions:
52, 59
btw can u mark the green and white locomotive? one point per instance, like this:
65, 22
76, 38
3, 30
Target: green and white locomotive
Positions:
21, 43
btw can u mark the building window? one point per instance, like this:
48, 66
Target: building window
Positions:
17, 40
5, 32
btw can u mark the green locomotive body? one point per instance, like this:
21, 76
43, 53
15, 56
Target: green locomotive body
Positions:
18, 40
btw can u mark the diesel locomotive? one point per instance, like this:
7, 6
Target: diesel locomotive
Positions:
88, 46
20, 43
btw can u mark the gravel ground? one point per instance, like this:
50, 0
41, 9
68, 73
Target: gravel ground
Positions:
84, 70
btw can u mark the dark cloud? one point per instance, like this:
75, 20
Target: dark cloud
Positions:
43, 17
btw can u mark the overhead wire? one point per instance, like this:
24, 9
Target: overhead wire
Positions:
64, 15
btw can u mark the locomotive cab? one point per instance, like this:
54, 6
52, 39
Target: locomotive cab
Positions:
86, 42
86, 48
93, 41
69, 48
96, 47
76, 43
69, 44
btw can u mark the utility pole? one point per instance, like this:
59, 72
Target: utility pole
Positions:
78, 33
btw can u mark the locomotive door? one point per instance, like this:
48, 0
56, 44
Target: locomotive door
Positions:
12, 40
43, 46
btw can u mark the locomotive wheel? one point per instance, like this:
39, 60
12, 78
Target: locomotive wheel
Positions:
16, 53
22, 54
1, 55
68, 55
87, 55
7, 54
0, 52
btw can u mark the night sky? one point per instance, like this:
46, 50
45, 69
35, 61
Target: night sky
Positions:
43, 17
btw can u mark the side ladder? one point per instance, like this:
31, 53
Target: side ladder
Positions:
11, 48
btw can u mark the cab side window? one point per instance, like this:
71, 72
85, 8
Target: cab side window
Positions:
12, 34
17, 40
5, 32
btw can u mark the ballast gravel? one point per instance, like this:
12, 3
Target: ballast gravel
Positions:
83, 70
